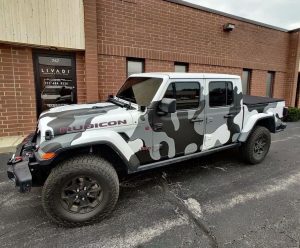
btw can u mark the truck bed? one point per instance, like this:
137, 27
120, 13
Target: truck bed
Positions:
259, 100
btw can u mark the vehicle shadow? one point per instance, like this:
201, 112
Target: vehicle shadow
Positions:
182, 171
141, 189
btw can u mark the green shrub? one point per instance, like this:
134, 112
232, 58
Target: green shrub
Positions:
293, 114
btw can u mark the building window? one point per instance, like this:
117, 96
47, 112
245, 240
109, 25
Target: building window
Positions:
186, 94
246, 77
135, 66
220, 94
181, 67
270, 83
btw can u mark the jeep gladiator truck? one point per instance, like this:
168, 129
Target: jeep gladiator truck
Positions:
156, 119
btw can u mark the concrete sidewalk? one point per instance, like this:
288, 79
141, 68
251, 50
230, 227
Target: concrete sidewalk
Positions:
8, 144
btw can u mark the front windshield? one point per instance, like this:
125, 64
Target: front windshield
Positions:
140, 90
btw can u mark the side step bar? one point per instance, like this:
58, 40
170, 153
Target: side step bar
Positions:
184, 158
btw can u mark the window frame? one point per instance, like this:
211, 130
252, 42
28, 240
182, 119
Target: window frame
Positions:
186, 65
223, 106
175, 91
272, 73
141, 60
248, 82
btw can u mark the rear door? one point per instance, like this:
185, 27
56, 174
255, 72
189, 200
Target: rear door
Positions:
223, 112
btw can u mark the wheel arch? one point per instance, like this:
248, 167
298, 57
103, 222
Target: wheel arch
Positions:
104, 149
268, 122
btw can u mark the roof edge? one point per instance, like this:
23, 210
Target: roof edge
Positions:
294, 30
195, 6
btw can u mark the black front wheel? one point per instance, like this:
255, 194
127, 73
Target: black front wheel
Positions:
80, 191
257, 146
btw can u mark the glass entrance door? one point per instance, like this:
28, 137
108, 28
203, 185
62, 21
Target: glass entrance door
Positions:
55, 80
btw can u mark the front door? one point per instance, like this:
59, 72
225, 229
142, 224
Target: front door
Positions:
55, 80
180, 133
223, 113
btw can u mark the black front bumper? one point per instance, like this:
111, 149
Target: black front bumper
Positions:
18, 169
20, 173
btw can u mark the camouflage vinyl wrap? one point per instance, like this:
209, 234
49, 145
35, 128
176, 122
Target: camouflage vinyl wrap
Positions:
146, 137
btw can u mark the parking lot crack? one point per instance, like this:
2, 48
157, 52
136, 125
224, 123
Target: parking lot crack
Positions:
6, 198
190, 206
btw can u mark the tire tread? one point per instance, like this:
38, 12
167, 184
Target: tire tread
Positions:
247, 148
80, 163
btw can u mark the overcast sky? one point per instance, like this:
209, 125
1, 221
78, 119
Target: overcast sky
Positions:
280, 13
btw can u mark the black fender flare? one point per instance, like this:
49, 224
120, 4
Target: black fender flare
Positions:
267, 121
132, 164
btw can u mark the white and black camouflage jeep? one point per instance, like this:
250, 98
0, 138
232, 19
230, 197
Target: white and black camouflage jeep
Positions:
78, 151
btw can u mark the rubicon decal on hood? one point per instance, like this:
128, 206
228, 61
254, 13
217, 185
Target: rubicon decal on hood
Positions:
79, 128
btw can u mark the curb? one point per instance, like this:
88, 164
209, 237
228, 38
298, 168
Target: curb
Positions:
9, 144
9, 149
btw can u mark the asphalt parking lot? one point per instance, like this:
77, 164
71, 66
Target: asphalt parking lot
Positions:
215, 201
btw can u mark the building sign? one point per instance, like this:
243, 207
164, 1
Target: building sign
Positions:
51, 71
55, 81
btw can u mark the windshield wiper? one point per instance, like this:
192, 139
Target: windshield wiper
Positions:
119, 103
129, 99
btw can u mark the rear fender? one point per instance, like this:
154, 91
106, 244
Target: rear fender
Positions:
262, 119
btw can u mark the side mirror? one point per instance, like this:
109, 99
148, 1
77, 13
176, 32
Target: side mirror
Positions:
167, 105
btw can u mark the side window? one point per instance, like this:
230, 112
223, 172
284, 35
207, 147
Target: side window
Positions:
186, 94
170, 93
220, 94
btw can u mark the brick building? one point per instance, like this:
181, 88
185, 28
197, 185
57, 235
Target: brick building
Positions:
87, 48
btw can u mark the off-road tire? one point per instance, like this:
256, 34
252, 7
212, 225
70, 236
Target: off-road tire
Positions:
247, 149
89, 165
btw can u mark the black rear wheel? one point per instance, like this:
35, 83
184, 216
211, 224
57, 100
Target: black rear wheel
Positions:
80, 191
257, 146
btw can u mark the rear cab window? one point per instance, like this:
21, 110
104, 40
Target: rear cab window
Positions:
220, 94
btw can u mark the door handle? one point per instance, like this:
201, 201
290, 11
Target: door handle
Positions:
197, 120
228, 116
